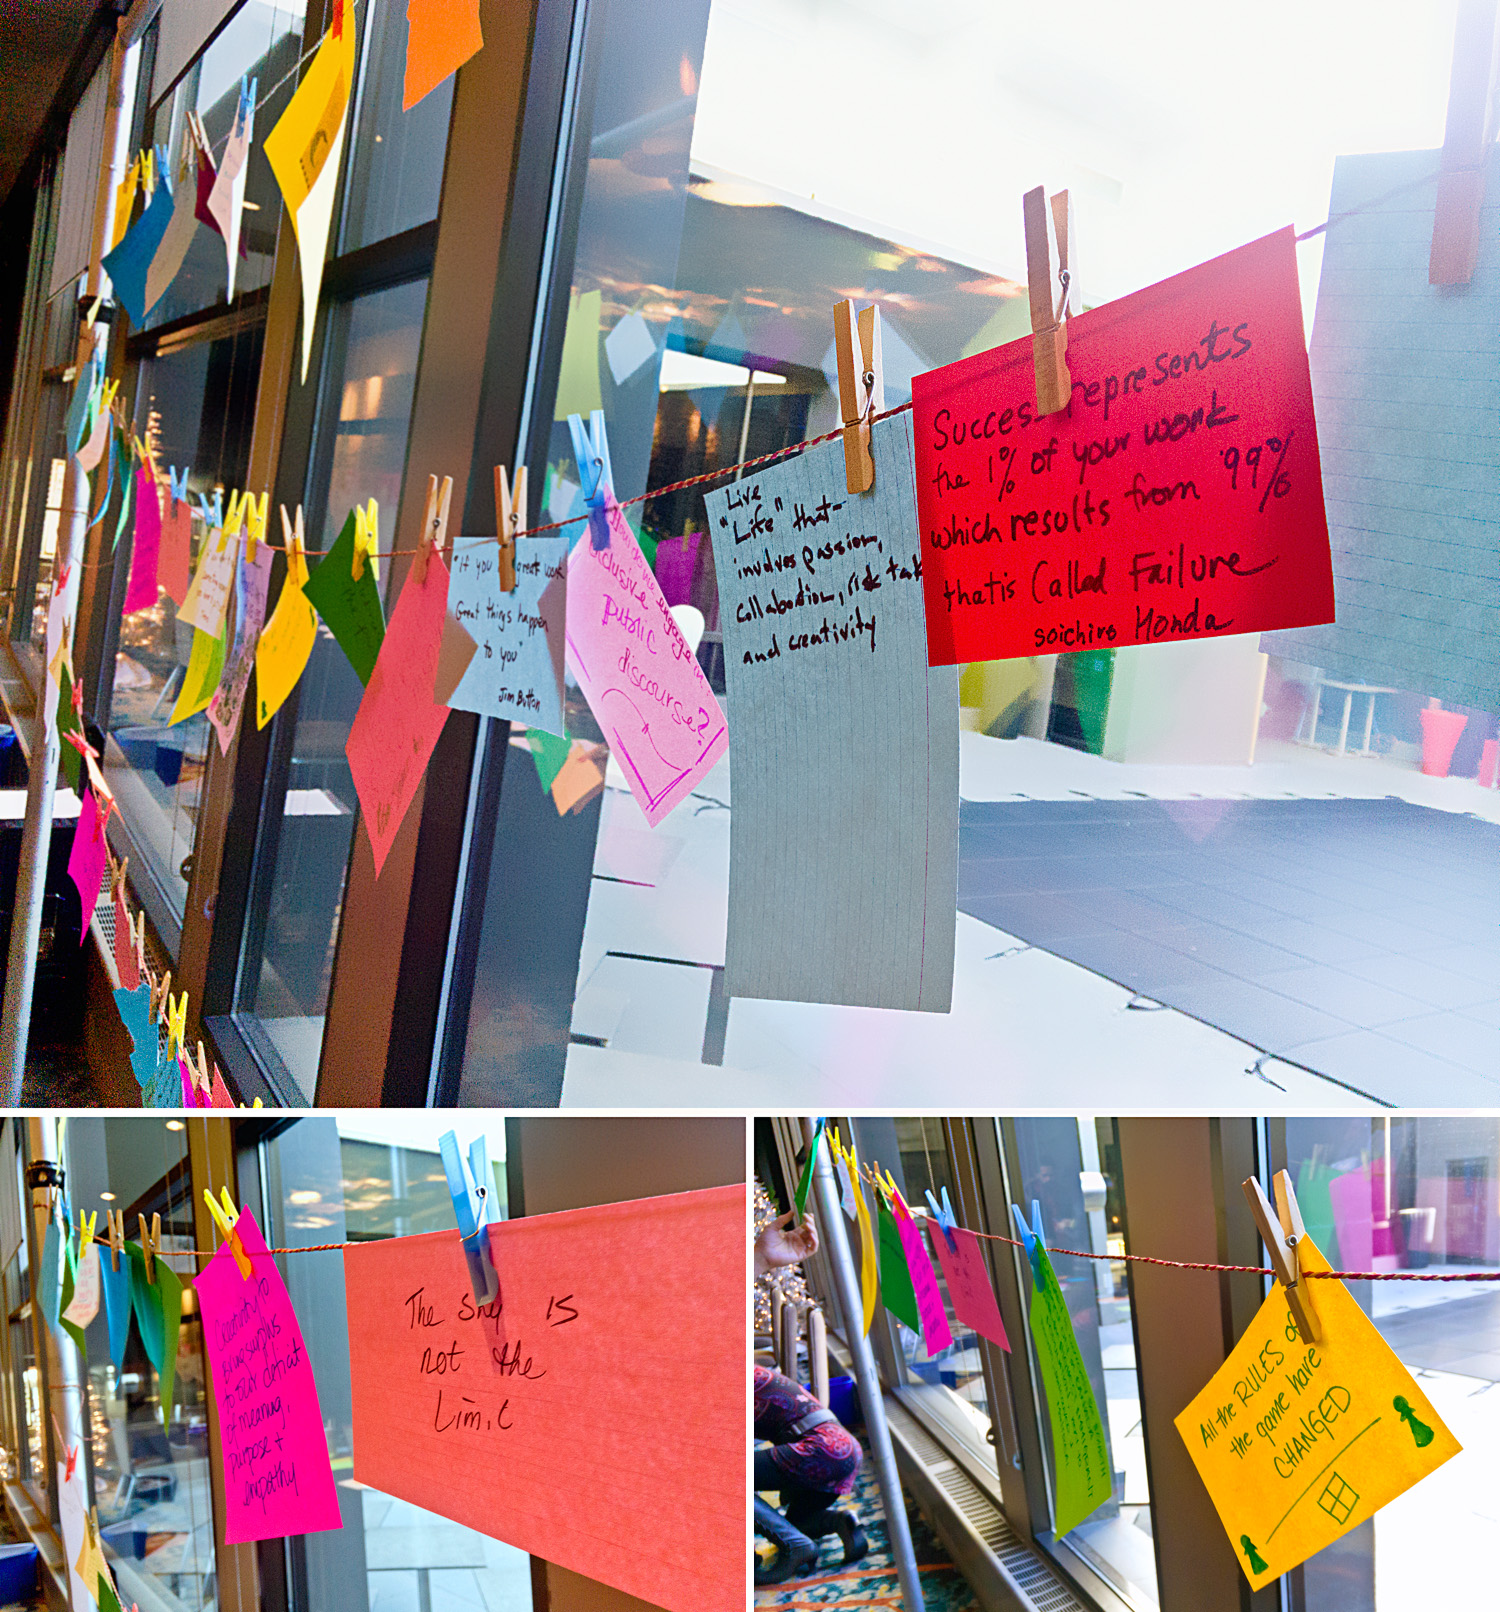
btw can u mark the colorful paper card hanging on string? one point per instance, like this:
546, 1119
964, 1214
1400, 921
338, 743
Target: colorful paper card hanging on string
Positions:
250, 613
182, 226
129, 264
896, 1290
207, 602
305, 151
175, 561
1298, 1443
1178, 496
502, 1419
278, 1479
141, 592
970, 1290
349, 604
643, 684
289, 636
936, 1335
226, 196
441, 35
88, 859
398, 722
205, 668
156, 1304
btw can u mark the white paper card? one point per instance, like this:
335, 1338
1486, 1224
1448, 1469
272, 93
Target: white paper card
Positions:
628, 346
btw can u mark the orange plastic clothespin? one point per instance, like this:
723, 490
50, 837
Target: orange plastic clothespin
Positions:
114, 1219
510, 518
1047, 228
434, 523
255, 513
861, 388
366, 541
150, 1244
1281, 1235
225, 1218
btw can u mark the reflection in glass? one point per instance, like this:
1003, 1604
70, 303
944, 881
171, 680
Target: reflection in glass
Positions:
359, 454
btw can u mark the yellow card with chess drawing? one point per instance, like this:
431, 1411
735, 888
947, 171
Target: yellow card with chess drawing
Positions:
1297, 1443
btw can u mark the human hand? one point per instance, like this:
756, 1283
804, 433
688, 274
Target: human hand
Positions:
781, 1244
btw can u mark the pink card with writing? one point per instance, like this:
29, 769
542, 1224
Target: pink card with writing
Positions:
398, 722
969, 1288
935, 1333
87, 859
277, 1476
643, 684
140, 592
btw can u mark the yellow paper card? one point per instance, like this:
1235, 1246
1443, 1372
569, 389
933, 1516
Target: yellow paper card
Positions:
578, 373
285, 644
204, 669
1298, 1443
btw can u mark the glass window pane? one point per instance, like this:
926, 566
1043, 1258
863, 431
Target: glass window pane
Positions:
396, 158
358, 1179
199, 402
261, 41
306, 833
151, 1476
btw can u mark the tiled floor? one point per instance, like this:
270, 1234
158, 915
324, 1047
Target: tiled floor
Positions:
1358, 938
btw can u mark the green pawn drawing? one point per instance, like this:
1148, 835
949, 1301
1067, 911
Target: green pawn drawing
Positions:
1252, 1554
1420, 1431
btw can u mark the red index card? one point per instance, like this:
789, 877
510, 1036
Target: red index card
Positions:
552, 1419
1179, 495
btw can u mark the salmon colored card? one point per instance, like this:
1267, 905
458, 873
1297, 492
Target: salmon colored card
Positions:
174, 566
969, 1287
642, 682
1179, 495
277, 1476
398, 721
546, 1421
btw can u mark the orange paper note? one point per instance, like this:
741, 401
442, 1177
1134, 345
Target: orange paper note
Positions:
441, 35
398, 721
545, 1419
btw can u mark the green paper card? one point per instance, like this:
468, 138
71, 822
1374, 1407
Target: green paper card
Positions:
804, 1186
67, 722
549, 752
350, 609
70, 1265
158, 1315
896, 1291
1080, 1457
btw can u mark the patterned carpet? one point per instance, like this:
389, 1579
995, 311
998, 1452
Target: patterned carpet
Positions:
873, 1582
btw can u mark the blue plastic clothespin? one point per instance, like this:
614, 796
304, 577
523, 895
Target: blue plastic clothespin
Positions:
944, 1217
213, 514
591, 450
179, 484
247, 100
1032, 1236
471, 1208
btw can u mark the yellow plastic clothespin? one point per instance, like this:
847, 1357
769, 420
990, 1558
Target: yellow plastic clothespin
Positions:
1281, 1234
255, 513
861, 388
114, 1219
1049, 230
107, 392
234, 515
86, 1224
150, 1244
148, 170
176, 1020
434, 523
225, 1218
510, 518
366, 541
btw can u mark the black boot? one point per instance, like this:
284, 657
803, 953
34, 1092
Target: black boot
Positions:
834, 1520
794, 1550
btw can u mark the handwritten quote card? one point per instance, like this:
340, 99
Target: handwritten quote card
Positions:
936, 1335
250, 614
642, 682
1299, 1443
517, 670
277, 1476
1178, 496
542, 1419
843, 834
970, 1290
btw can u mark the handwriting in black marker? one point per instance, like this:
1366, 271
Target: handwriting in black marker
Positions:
560, 1305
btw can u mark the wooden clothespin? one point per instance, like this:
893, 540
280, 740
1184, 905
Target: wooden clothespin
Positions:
861, 388
254, 513
510, 518
1281, 1234
434, 523
116, 874
150, 1244
197, 1062
225, 1218
115, 1220
1052, 296
291, 532
366, 541
138, 936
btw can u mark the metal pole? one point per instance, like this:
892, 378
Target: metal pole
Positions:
72, 533
835, 1243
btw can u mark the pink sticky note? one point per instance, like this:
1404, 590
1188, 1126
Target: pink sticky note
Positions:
935, 1333
642, 682
277, 1476
140, 592
398, 722
88, 859
969, 1287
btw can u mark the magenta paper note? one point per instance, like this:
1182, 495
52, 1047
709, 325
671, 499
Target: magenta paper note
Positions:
88, 859
969, 1288
935, 1333
642, 682
398, 722
277, 1476
140, 593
